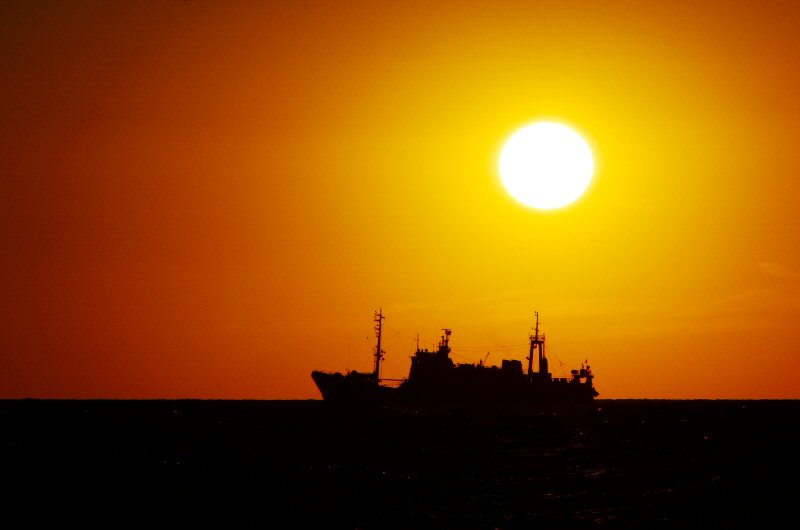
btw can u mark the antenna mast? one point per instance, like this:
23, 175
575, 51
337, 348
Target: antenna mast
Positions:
376, 373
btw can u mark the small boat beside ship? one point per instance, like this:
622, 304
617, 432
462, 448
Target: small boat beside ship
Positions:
435, 379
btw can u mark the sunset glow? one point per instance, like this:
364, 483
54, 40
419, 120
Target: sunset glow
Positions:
209, 199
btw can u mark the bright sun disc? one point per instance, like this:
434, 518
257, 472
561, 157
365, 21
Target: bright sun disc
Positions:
546, 165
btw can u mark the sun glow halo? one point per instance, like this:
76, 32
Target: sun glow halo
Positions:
546, 165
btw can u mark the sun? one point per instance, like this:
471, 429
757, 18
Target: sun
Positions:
546, 165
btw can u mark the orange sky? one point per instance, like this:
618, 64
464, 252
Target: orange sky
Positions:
209, 199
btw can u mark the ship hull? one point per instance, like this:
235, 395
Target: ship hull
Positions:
356, 388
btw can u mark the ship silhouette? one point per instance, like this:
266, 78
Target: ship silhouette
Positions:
435, 379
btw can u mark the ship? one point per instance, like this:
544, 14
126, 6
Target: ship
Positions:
434, 379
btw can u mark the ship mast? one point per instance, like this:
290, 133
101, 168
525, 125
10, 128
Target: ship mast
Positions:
376, 373
537, 343
444, 344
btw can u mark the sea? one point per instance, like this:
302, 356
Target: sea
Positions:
305, 464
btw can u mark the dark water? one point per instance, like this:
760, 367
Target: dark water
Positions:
272, 464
